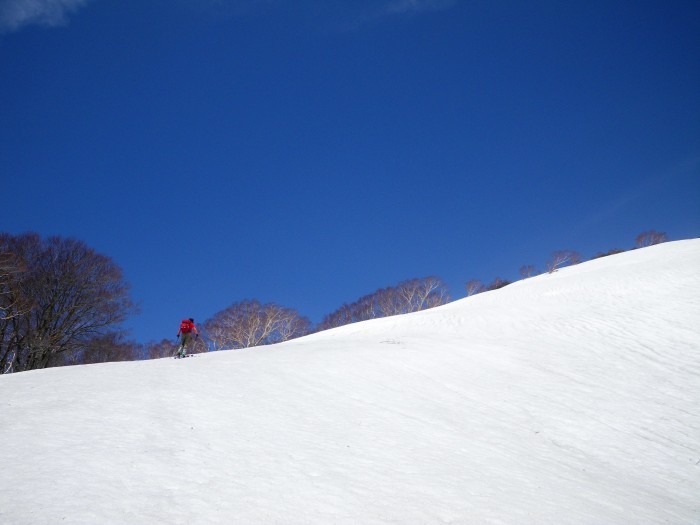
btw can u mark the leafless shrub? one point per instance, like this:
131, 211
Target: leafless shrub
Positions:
563, 258
650, 238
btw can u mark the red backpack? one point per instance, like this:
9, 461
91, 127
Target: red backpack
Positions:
186, 326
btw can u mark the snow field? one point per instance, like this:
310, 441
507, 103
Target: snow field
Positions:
569, 398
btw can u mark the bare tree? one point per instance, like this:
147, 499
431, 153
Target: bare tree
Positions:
12, 304
527, 271
340, 317
198, 346
422, 294
365, 307
292, 325
408, 296
250, 323
68, 295
163, 348
497, 283
563, 258
384, 304
105, 348
11, 268
650, 238
474, 286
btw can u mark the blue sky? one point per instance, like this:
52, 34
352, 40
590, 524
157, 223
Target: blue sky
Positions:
309, 152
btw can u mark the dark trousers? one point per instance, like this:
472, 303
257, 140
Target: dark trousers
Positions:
186, 338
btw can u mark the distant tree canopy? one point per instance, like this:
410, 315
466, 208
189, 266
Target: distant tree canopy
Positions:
649, 238
475, 286
527, 271
408, 296
57, 296
497, 284
251, 323
112, 346
162, 348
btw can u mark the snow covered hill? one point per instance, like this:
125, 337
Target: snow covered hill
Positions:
571, 398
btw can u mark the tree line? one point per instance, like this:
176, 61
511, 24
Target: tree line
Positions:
62, 303
251, 323
408, 296
560, 259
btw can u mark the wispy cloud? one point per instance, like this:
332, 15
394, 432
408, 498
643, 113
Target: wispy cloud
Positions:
352, 11
397, 7
350, 15
15, 14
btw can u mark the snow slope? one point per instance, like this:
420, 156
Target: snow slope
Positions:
571, 398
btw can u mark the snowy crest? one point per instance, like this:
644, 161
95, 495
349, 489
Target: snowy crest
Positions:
564, 398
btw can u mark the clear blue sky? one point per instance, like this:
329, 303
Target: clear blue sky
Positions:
308, 152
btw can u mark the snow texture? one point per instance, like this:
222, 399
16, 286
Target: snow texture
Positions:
570, 398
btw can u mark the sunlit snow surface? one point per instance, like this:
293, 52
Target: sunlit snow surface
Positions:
571, 398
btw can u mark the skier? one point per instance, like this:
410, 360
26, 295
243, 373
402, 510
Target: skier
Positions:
187, 328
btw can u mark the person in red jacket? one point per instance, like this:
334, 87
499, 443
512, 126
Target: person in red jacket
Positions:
187, 328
